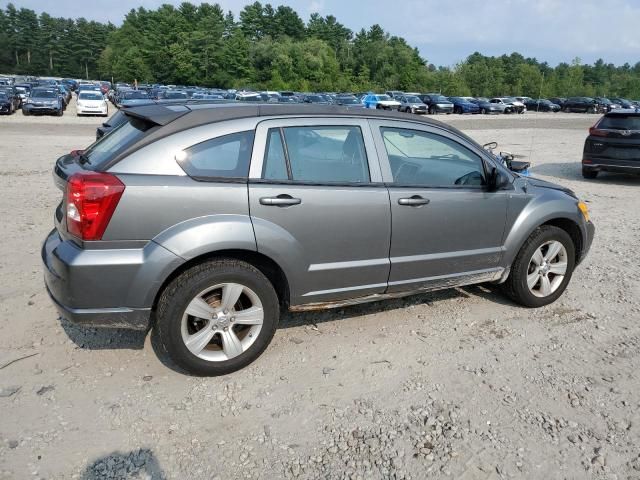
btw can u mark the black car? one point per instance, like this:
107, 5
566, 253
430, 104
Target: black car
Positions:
558, 101
623, 102
13, 96
436, 103
318, 99
582, 105
6, 105
541, 105
44, 100
348, 100
613, 144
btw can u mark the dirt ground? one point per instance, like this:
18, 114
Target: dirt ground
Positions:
455, 384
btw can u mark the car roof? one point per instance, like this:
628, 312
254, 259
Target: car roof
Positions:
624, 112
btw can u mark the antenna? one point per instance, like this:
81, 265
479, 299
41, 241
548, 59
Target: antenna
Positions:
535, 119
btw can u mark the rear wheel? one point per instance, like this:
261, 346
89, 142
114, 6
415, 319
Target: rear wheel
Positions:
217, 317
589, 173
543, 267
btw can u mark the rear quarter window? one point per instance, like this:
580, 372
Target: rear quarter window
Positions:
225, 157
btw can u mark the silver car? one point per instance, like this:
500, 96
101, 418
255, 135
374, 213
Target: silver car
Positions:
412, 104
206, 221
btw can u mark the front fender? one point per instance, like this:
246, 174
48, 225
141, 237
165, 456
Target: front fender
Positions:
201, 235
528, 211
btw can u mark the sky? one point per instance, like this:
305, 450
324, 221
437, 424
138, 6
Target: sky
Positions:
447, 31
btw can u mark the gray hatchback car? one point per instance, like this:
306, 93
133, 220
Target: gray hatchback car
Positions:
205, 221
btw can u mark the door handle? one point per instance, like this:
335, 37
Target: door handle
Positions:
280, 201
414, 201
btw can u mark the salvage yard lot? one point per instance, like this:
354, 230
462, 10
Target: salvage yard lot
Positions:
461, 383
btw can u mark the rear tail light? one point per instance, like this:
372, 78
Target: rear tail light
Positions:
92, 198
596, 132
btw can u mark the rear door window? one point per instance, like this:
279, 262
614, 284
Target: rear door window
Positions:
317, 154
621, 122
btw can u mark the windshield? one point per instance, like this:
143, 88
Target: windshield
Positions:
347, 100
439, 98
383, 98
120, 138
412, 99
44, 94
135, 95
3, 95
90, 96
22, 89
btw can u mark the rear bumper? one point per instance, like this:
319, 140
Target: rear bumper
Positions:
105, 287
611, 165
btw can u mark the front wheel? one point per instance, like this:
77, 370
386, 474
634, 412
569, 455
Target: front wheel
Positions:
543, 267
217, 317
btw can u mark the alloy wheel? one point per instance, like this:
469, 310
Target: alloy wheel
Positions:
222, 322
547, 269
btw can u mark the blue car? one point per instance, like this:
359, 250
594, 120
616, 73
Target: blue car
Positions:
380, 102
462, 105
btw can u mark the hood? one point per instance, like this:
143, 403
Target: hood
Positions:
537, 182
389, 102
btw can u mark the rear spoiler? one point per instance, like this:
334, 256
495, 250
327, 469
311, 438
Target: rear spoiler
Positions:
157, 114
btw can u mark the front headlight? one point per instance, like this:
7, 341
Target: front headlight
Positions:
584, 209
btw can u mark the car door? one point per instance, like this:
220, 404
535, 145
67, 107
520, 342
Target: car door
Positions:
447, 229
319, 207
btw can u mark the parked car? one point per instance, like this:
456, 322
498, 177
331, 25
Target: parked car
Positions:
436, 103
395, 94
71, 84
622, 102
64, 94
542, 105
558, 101
132, 97
23, 90
206, 221
173, 95
412, 104
518, 106
6, 104
463, 105
347, 101
613, 144
581, 105
380, 102
43, 100
488, 107
91, 103
606, 105
317, 99
12, 95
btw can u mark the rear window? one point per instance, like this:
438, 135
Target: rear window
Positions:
620, 122
122, 137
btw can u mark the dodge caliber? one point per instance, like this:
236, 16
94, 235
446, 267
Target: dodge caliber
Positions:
204, 222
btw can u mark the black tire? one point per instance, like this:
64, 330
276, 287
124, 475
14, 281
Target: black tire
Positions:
516, 285
25, 113
432, 111
179, 293
60, 112
483, 111
589, 173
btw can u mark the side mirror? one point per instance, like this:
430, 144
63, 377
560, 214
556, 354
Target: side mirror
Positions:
496, 180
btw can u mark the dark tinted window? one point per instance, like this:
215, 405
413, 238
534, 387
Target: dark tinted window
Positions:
331, 154
426, 159
275, 163
222, 157
620, 122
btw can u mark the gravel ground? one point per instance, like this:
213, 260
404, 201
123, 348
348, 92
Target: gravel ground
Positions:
456, 384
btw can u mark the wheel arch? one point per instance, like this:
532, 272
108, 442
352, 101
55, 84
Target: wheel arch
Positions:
265, 264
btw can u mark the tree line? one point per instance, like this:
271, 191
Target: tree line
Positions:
268, 47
